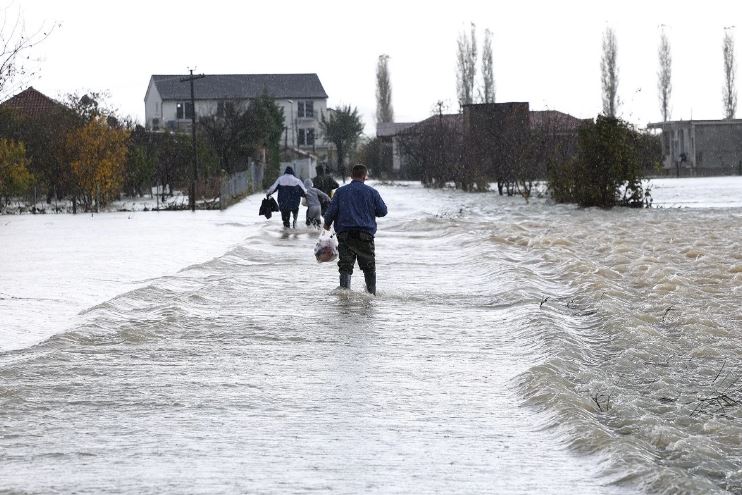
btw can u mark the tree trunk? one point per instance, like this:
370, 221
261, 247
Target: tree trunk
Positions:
341, 165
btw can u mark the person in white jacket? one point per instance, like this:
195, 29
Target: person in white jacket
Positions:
290, 191
315, 198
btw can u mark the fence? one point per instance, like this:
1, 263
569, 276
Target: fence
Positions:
233, 188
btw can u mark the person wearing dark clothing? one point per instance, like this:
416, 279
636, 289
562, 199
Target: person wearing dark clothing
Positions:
353, 210
290, 191
324, 182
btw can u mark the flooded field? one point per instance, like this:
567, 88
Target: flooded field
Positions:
512, 348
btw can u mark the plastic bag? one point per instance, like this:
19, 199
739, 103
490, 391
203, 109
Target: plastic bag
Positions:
326, 248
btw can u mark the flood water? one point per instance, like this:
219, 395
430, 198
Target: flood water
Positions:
512, 348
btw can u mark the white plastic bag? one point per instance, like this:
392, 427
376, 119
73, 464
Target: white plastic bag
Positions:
326, 248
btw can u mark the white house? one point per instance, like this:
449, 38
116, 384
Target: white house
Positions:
167, 103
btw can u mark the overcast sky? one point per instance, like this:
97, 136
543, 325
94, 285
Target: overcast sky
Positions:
545, 52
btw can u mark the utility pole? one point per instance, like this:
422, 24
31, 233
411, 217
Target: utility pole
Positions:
194, 177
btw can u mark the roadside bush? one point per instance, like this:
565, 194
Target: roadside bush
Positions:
15, 179
608, 169
99, 155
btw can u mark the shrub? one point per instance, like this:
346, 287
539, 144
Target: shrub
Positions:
15, 179
608, 169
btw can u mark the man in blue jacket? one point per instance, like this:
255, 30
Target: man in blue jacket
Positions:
353, 210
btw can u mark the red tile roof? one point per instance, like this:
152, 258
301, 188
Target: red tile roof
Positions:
31, 103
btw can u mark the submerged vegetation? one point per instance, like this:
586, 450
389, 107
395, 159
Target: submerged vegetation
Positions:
608, 168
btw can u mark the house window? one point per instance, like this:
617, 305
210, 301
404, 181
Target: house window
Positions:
184, 110
306, 109
223, 107
305, 137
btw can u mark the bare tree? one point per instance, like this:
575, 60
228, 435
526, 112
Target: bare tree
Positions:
433, 149
729, 91
384, 110
488, 79
609, 73
14, 42
664, 76
466, 58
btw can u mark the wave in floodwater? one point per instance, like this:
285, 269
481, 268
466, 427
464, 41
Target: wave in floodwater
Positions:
500, 327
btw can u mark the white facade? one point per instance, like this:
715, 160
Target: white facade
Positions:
300, 123
301, 116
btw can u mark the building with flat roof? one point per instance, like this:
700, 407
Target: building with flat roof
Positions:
701, 147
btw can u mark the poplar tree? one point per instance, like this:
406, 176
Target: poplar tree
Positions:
488, 78
384, 110
609, 73
664, 76
729, 90
466, 63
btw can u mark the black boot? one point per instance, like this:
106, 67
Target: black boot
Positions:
370, 277
345, 280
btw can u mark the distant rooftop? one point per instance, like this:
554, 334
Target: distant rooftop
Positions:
554, 118
240, 86
386, 129
31, 103
537, 118
675, 123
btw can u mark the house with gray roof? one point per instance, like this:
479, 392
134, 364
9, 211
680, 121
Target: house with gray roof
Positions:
167, 103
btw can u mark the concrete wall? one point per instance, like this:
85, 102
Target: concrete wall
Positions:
718, 148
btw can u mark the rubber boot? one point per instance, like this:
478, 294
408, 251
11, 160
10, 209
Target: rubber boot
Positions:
345, 280
370, 277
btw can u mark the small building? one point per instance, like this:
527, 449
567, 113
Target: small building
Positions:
167, 102
388, 134
486, 129
701, 147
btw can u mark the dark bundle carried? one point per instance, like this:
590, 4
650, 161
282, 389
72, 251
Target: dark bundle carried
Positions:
268, 206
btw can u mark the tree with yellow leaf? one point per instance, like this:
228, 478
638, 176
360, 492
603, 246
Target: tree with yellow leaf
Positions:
98, 153
15, 179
